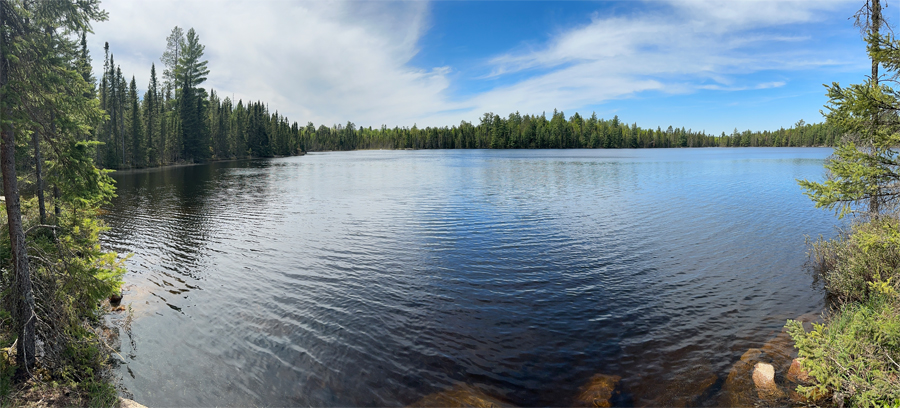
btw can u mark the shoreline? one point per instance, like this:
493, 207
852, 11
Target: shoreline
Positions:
134, 170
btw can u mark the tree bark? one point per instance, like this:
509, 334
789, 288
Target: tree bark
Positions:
56, 209
23, 293
22, 290
38, 170
875, 10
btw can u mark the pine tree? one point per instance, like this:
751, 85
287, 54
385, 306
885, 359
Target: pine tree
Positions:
135, 128
151, 116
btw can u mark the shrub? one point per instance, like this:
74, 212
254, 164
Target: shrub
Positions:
855, 353
869, 252
71, 275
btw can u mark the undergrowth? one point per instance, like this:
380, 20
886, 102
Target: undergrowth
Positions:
854, 356
71, 277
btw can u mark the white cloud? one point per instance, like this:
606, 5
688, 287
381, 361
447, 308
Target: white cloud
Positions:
334, 61
676, 50
326, 62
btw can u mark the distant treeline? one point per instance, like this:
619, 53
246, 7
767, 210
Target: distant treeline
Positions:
538, 132
178, 121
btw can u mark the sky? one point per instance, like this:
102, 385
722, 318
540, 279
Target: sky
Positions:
711, 65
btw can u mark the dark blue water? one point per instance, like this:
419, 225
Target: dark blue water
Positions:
378, 277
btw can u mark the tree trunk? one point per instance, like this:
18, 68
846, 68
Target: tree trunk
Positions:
875, 9
22, 291
875, 28
56, 208
23, 294
38, 170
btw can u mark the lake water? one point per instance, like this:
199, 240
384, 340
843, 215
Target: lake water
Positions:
377, 277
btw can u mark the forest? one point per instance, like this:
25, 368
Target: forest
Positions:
178, 121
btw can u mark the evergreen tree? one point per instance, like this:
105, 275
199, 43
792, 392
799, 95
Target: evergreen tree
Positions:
135, 128
865, 168
42, 80
151, 117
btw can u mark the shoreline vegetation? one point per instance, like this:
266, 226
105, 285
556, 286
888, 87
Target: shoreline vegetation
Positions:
851, 359
53, 274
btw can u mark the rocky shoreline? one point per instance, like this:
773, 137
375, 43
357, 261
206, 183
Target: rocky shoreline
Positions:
763, 376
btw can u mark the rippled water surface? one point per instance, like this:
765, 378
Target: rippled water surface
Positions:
378, 277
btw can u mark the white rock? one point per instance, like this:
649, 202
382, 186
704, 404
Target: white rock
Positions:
764, 378
764, 375
127, 403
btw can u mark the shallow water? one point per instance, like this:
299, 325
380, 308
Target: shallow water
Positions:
378, 277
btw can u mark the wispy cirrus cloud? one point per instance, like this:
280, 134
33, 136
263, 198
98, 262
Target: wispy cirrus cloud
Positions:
682, 47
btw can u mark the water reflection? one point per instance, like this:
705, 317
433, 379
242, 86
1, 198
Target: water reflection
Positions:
377, 278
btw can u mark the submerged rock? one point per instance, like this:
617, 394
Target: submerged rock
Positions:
738, 390
796, 373
780, 351
815, 398
598, 391
687, 389
753, 378
461, 395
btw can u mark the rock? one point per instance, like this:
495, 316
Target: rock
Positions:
796, 373
461, 395
738, 388
780, 351
127, 403
764, 375
764, 379
598, 391
750, 380
838, 400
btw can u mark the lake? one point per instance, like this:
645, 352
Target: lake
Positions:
375, 278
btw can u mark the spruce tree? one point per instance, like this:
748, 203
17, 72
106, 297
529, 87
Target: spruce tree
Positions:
865, 167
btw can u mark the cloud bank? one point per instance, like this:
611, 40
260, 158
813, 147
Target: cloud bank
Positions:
330, 62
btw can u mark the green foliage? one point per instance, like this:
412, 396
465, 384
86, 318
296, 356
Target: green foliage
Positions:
87, 359
50, 95
7, 371
72, 275
538, 132
855, 353
852, 262
865, 167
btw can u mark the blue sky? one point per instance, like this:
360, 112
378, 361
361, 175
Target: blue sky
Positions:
704, 64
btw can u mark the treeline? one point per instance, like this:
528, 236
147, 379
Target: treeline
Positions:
537, 132
177, 120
